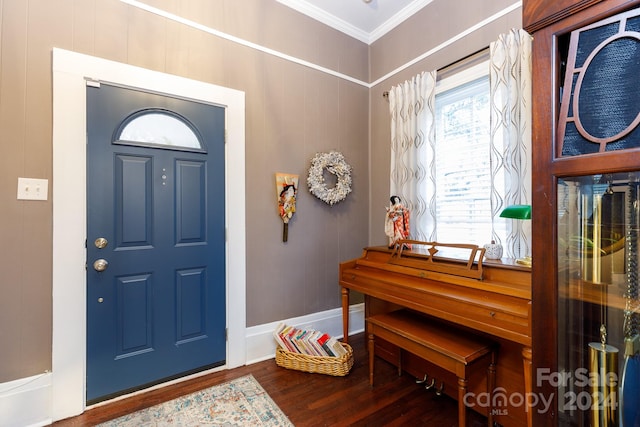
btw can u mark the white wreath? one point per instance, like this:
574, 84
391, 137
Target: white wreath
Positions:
335, 164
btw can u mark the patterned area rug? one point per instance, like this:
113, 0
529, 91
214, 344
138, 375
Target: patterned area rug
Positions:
241, 402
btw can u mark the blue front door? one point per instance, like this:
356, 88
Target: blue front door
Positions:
155, 239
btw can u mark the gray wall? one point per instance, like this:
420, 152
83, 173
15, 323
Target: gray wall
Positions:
292, 112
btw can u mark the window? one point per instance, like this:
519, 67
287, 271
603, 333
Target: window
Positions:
159, 129
462, 167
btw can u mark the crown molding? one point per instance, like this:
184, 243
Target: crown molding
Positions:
332, 21
326, 18
397, 19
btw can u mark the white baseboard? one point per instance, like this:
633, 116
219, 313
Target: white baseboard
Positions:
261, 345
26, 402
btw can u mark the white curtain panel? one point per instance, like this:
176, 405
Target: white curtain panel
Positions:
412, 108
510, 97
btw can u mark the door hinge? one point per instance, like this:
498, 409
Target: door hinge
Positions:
226, 136
226, 334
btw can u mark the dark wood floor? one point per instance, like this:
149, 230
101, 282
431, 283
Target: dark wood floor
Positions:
316, 399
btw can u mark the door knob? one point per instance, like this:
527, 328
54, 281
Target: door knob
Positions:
100, 264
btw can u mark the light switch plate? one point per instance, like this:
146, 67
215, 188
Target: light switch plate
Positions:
33, 189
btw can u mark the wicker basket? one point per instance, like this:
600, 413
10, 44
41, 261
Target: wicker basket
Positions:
336, 366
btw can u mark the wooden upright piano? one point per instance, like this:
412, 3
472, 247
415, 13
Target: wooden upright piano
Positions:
489, 298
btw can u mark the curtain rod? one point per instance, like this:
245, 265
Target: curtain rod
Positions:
454, 67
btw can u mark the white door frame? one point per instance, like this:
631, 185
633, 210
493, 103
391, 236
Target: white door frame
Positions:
70, 72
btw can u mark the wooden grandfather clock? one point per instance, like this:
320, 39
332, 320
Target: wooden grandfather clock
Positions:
585, 212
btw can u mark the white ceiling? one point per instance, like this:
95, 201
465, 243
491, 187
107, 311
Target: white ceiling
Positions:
364, 20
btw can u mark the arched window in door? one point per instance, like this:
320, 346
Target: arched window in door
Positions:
157, 128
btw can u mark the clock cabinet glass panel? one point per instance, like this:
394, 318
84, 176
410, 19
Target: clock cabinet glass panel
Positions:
598, 307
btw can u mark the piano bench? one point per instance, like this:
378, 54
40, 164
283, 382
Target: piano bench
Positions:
450, 348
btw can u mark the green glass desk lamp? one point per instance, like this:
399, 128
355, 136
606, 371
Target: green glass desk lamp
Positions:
518, 212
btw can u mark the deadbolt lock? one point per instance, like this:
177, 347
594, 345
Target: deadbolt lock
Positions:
101, 243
